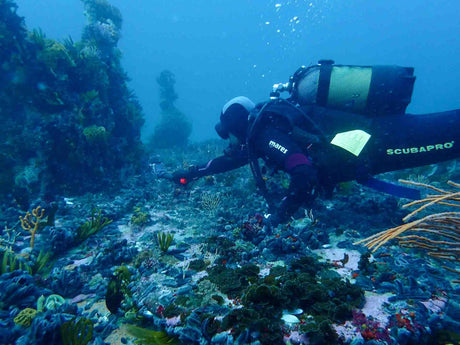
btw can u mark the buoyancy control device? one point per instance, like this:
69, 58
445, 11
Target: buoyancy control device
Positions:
366, 90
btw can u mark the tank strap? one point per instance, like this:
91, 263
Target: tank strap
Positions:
324, 82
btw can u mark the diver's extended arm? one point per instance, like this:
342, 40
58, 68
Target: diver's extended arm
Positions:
214, 166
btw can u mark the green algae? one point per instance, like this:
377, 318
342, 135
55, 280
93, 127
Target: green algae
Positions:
148, 337
164, 241
77, 332
92, 226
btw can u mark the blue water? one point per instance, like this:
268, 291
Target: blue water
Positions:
219, 49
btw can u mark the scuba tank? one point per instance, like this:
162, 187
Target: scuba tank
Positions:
366, 90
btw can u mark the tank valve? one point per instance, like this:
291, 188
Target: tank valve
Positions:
278, 88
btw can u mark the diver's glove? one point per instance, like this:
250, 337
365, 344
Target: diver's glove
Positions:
183, 177
270, 222
302, 191
159, 171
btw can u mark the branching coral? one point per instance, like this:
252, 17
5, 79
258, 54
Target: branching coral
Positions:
8, 239
438, 233
210, 202
31, 221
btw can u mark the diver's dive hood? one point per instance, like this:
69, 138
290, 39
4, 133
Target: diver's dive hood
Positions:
234, 118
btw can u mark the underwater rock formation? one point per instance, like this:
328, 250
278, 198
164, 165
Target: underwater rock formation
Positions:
174, 127
69, 121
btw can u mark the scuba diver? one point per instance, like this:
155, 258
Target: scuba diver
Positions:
340, 123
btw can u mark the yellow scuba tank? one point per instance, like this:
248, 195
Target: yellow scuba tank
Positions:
368, 90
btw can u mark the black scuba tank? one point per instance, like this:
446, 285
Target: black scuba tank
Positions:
366, 90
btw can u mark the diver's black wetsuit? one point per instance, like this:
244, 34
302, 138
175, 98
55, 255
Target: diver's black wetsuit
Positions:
279, 151
396, 142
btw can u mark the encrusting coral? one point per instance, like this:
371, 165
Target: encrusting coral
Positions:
25, 317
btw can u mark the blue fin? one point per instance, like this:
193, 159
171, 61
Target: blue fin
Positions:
391, 188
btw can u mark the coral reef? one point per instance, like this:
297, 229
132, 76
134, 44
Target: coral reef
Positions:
66, 107
224, 278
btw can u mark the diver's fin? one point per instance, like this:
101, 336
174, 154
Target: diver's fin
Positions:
391, 188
